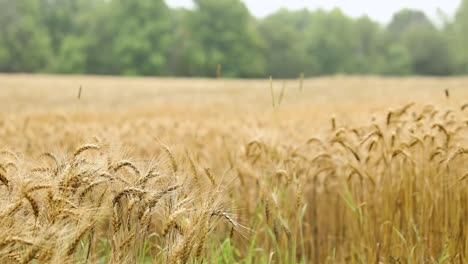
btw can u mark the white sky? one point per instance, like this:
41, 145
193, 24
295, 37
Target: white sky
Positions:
380, 10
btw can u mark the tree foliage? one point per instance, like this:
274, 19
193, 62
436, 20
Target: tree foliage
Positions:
25, 45
459, 38
147, 37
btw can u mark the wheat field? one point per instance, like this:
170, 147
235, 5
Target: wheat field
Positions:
149, 170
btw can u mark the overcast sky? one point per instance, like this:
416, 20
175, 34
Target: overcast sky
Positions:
380, 10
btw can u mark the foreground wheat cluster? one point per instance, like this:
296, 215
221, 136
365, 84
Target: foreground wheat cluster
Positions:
393, 188
88, 203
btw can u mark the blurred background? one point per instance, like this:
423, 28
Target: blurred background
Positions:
238, 39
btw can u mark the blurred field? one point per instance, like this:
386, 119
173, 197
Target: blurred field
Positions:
343, 170
331, 92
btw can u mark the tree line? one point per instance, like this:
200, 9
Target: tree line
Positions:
146, 37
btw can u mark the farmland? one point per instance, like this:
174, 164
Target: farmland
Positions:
160, 170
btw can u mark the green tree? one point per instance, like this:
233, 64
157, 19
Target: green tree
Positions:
146, 37
97, 30
141, 36
285, 51
459, 38
73, 55
332, 42
64, 22
223, 32
24, 41
406, 18
76, 28
428, 47
396, 61
58, 17
430, 51
371, 46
